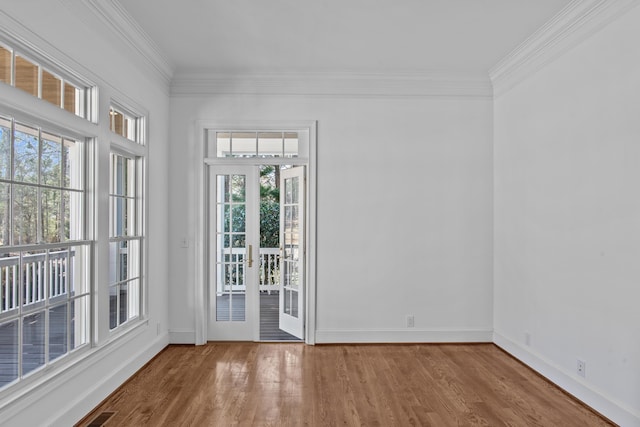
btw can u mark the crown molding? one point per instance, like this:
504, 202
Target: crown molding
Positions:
120, 22
428, 84
572, 25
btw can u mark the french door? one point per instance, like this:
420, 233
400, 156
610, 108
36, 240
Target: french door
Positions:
292, 241
237, 268
233, 242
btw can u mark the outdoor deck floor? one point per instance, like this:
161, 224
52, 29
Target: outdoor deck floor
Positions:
269, 330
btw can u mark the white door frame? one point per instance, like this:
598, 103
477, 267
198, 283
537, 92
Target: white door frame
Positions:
198, 196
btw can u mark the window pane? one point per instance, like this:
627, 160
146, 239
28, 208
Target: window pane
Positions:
25, 155
243, 144
72, 211
26, 75
9, 336
72, 164
133, 299
33, 342
51, 160
51, 88
4, 214
123, 176
51, 220
76, 271
223, 144
291, 144
79, 325
72, 99
5, 148
270, 144
25, 213
5, 65
58, 331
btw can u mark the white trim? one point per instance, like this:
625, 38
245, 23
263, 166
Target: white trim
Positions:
121, 23
330, 336
430, 84
571, 383
575, 23
197, 227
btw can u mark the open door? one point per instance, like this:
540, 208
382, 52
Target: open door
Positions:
292, 256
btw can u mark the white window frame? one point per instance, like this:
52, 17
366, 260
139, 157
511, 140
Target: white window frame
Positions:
138, 151
73, 128
88, 99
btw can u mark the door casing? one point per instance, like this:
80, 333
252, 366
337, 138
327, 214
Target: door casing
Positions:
198, 197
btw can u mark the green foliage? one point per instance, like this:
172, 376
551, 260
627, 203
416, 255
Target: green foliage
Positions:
269, 224
269, 208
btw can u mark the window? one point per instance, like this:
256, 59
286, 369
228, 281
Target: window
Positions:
125, 243
27, 74
256, 144
44, 254
126, 124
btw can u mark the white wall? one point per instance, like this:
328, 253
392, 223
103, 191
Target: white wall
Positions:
567, 220
68, 32
404, 217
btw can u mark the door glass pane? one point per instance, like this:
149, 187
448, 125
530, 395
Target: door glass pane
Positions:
231, 247
294, 303
294, 190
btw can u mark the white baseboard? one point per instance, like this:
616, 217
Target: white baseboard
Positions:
570, 383
182, 336
87, 401
330, 336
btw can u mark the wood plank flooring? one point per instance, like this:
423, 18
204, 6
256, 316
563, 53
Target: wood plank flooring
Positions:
292, 384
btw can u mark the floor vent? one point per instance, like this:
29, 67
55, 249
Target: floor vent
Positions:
101, 419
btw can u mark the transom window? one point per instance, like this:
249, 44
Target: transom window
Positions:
23, 72
126, 124
256, 144
44, 255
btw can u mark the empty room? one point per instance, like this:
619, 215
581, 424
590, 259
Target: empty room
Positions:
266, 213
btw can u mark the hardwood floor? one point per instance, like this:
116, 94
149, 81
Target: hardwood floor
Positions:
265, 384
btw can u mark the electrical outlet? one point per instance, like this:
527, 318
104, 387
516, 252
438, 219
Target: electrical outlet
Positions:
581, 368
410, 321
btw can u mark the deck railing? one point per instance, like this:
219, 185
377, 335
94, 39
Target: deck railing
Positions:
38, 271
231, 272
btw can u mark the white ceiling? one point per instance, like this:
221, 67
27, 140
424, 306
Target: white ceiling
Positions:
371, 36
